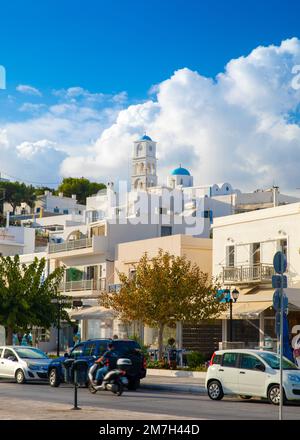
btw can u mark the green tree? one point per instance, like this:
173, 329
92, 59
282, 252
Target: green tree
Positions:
15, 193
40, 191
27, 298
82, 187
164, 290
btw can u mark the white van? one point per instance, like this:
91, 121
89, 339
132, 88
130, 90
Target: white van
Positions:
250, 373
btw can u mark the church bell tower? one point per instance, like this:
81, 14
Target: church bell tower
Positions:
143, 174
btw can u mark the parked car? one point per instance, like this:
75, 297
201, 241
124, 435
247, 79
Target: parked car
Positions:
23, 363
250, 373
92, 349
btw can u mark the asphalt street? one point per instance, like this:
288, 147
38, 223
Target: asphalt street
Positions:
147, 401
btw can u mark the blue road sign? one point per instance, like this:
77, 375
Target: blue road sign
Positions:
279, 281
279, 262
276, 301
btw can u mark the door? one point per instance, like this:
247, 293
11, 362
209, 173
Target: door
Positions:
89, 351
8, 366
251, 377
228, 373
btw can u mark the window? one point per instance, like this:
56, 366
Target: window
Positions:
255, 253
38, 210
77, 351
248, 362
91, 272
126, 348
66, 211
283, 246
30, 353
8, 353
165, 231
56, 210
230, 359
230, 256
208, 214
217, 359
89, 349
273, 360
1, 351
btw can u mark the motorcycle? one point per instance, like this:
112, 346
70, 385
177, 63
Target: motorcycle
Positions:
113, 381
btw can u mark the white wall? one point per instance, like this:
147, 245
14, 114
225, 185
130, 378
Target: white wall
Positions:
267, 226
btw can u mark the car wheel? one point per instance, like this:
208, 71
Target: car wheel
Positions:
20, 376
134, 384
54, 380
245, 397
215, 390
274, 395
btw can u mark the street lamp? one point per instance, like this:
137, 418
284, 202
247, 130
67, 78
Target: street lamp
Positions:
230, 298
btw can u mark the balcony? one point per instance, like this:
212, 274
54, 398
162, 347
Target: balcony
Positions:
83, 246
84, 285
70, 245
257, 273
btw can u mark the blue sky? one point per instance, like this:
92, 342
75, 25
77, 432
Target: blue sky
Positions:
115, 45
209, 80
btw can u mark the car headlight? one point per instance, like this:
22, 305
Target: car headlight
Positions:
33, 367
294, 378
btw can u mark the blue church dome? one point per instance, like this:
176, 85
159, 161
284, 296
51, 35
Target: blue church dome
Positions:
180, 172
145, 138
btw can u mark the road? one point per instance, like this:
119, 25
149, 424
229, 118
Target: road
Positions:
157, 404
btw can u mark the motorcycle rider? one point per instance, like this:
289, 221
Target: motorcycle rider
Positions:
109, 361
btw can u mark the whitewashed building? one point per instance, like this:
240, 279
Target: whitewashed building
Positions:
243, 249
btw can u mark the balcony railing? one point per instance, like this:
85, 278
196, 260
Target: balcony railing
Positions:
71, 245
72, 286
258, 273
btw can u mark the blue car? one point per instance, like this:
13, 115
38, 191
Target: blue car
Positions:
92, 349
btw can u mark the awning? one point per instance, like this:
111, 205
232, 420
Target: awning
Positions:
94, 312
246, 310
252, 303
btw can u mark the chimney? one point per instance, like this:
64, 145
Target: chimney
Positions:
275, 191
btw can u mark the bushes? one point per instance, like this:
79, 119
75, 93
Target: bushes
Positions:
158, 364
195, 359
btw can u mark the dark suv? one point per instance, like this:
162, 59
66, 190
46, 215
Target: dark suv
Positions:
92, 349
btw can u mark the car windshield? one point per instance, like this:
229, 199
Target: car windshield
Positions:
30, 353
273, 360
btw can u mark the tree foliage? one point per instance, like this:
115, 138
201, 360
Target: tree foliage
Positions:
15, 193
82, 187
164, 290
27, 298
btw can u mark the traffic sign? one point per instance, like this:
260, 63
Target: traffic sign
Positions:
277, 302
279, 281
279, 262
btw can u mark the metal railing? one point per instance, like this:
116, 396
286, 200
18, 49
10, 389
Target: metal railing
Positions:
71, 286
246, 274
71, 245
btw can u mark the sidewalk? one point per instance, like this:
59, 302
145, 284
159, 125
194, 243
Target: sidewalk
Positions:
174, 384
31, 410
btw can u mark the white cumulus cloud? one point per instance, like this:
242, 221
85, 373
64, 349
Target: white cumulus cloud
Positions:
242, 126
28, 90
